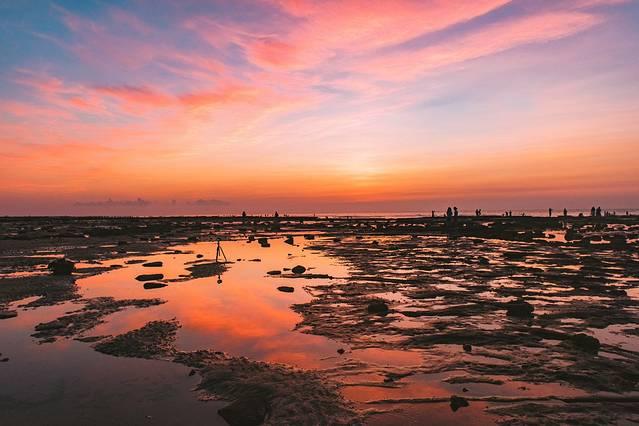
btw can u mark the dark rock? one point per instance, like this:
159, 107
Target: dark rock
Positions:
61, 267
309, 237
192, 373
51, 325
245, 412
149, 277
286, 289
467, 347
133, 261
299, 269
200, 256
4, 359
152, 285
519, 309
378, 307
483, 261
289, 240
152, 264
8, 314
585, 342
251, 238
263, 242
464, 389
456, 402
341, 351
276, 272
122, 243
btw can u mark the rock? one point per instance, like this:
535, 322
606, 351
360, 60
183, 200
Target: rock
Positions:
4, 359
251, 238
341, 351
286, 289
378, 307
61, 266
483, 261
464, 389
456, 402
122, 243
152, 264
276, 272
149, 277
263, 242
51, 325
289, 240
519, 309
251, 411
337, 240
8, 314
200, 256
467, 347
152, 285
309, 237
192, 373
299, 269
133, 261
585, 342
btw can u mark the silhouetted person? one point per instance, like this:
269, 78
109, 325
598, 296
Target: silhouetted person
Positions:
549, 212
456, 213
565, 212
592, 211
449, 214
243, 214
432, 212
598, 212
277, 214
510, 213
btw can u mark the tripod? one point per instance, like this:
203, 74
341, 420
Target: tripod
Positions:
219, 252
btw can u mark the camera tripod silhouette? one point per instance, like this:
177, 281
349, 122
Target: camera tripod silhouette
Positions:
219, 253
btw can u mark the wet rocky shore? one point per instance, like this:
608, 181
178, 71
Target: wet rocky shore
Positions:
492, 320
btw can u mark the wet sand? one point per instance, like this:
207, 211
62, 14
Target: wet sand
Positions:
485, 320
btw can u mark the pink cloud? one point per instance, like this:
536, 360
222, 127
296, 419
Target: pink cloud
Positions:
490, 40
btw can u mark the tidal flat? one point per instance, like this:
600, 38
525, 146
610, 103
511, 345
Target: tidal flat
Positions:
309, 320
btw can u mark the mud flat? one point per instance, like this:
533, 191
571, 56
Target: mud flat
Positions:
487, 320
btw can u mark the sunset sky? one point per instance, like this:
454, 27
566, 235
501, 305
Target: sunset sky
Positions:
188, 106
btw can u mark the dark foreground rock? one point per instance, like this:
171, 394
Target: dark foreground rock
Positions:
61, 267
457, 402
8, 314
249, 411
584, 342
519, 309
149, 277
152, 264
299, 269
377, 307
152, 285
286, 289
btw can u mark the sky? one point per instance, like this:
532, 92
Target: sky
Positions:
197, 107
